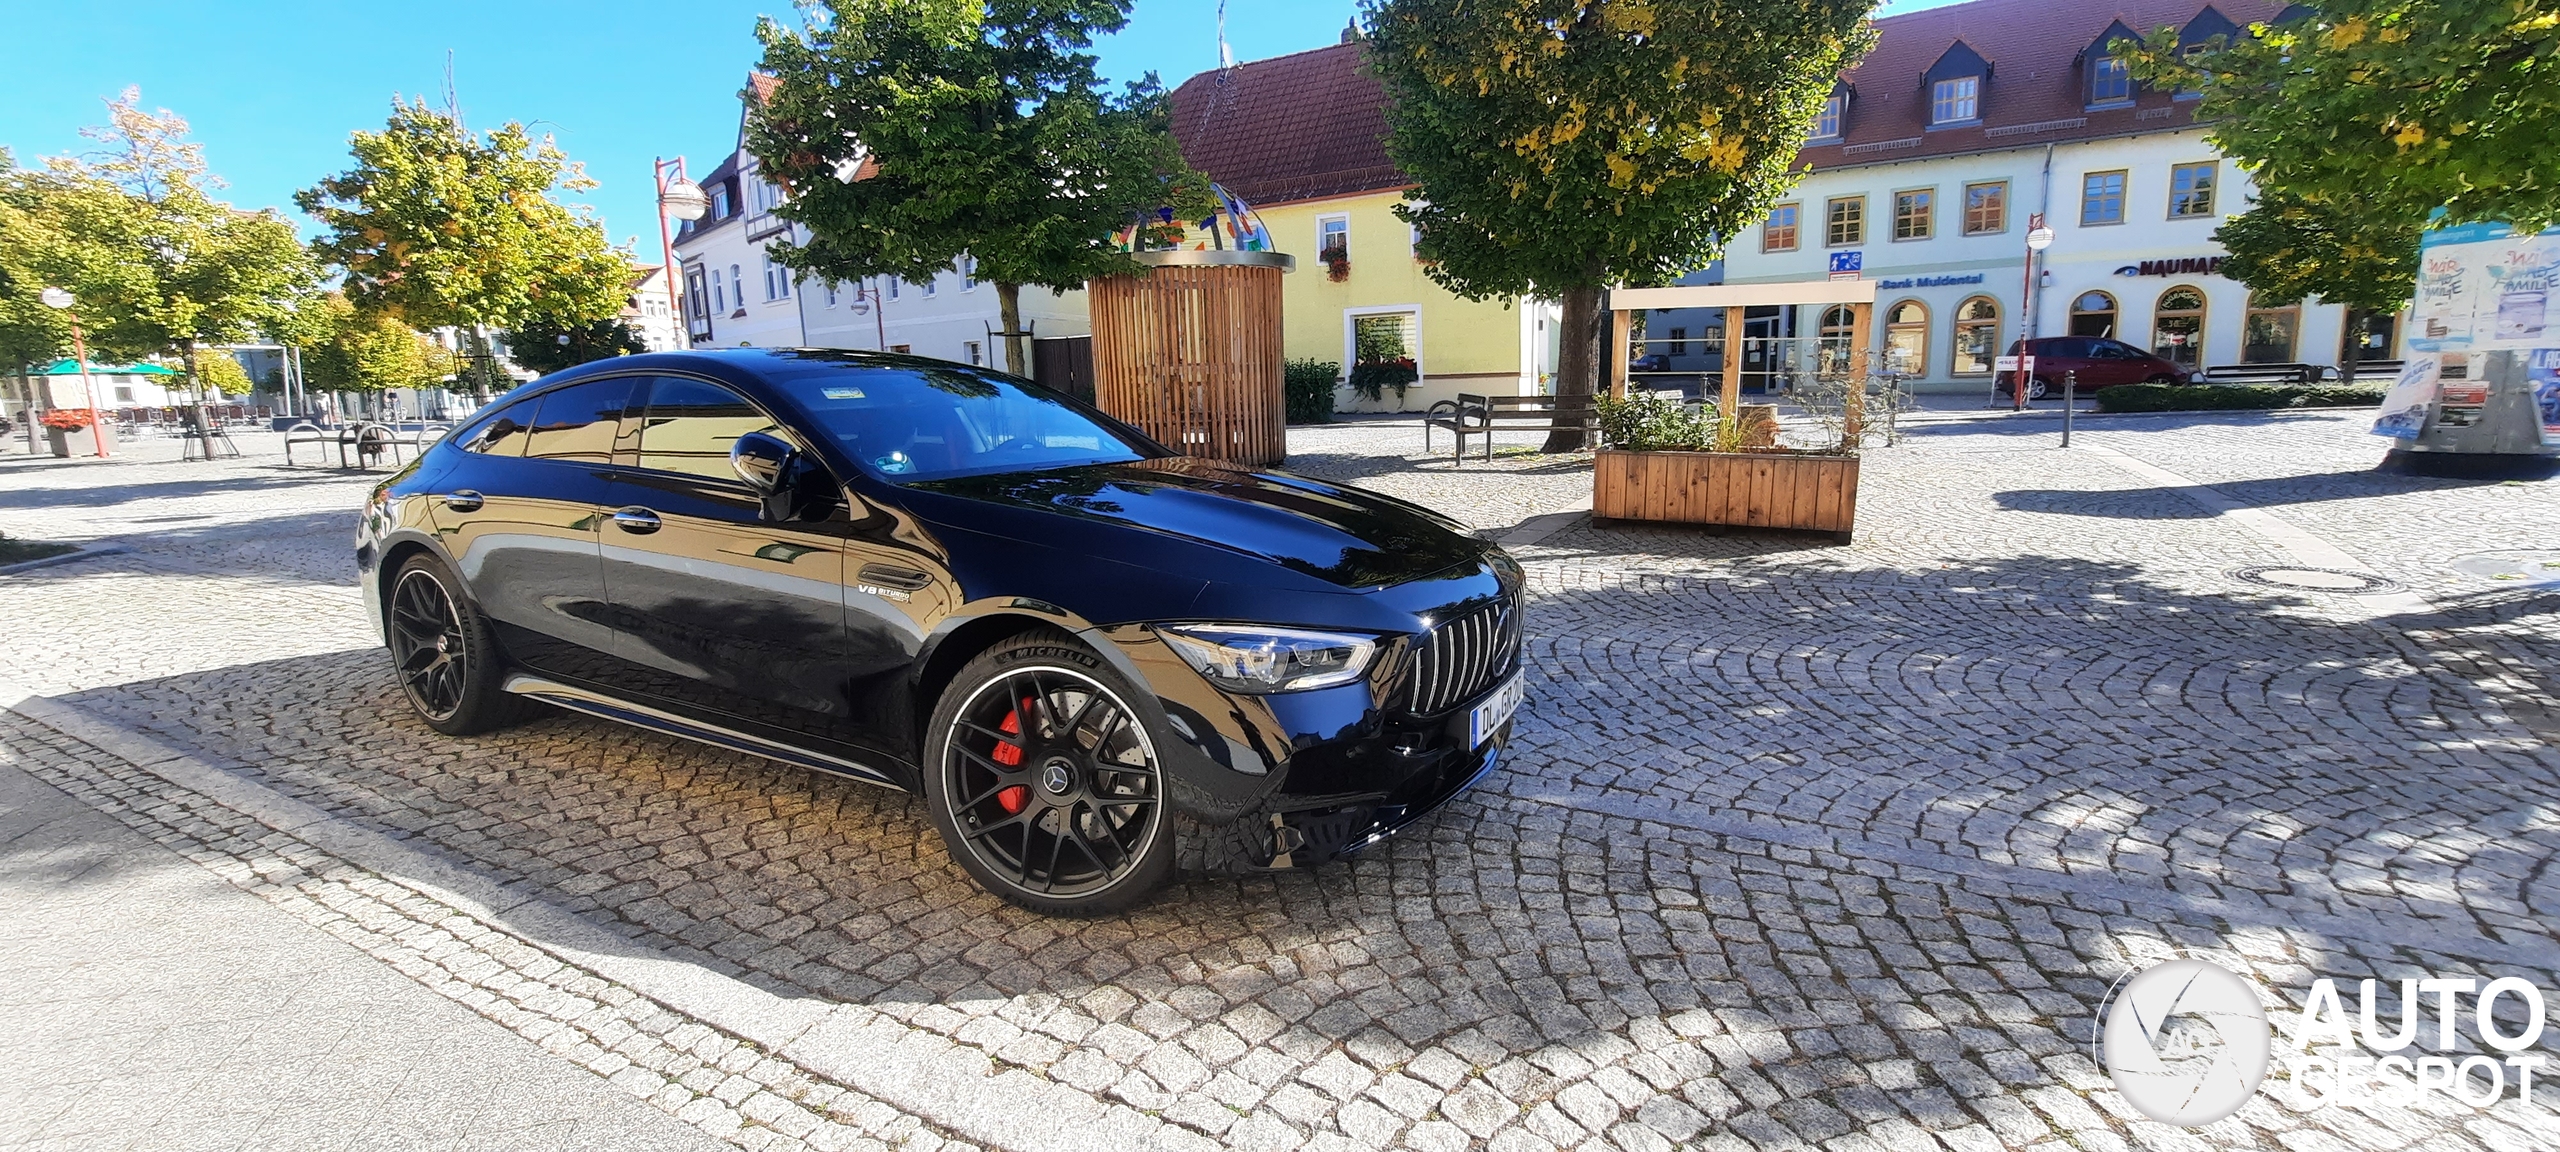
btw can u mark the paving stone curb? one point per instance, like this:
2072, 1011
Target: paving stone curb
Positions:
793, 1072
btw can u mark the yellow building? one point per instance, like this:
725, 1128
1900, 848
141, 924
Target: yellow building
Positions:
1302, 138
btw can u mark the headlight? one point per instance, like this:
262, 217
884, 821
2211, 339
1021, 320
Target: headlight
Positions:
1250, 658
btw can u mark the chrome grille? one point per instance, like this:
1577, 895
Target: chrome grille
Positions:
1464, 656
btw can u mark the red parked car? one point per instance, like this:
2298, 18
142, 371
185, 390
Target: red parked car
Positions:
2095, 362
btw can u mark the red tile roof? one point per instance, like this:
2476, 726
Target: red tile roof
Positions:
2035, 93
1313, 124
1296, 127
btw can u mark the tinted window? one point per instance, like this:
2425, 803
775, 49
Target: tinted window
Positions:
503, 432
690, 426
925, 423
578, 422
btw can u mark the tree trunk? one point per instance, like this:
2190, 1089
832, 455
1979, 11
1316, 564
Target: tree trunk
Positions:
1017, 358
201, 421
484, 365
1577, 362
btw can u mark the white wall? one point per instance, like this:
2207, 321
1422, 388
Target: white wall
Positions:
943, 324
2081, 259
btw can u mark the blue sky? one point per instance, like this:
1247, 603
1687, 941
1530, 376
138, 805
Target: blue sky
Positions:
273, 88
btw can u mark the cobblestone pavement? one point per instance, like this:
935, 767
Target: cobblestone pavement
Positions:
1800, 845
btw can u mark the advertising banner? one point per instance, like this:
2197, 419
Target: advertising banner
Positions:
2483, 288
2404, 408
2543, 371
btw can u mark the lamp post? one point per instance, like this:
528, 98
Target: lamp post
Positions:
2039, 238
684, 200
58, 298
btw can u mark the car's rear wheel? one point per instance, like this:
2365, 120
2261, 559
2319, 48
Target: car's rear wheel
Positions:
2037, 389
449, 665
1045, 780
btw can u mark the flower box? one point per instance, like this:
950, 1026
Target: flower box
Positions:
1770, 488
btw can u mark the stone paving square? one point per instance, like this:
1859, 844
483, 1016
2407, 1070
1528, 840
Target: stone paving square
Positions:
1800, 846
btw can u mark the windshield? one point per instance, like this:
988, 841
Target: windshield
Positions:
910, 423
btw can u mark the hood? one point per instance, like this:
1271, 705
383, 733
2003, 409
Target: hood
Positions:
1342, 536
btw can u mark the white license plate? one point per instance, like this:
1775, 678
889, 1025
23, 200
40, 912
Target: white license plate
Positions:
1489, 717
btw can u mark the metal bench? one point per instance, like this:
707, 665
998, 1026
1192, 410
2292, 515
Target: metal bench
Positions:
368, 441
2266, 374
1474, 415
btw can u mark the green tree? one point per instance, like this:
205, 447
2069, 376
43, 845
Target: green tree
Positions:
546, 348
354, 351
218, 374
2387, 108
1561, 146
437, 226
158, 265
913, 133
2288, 248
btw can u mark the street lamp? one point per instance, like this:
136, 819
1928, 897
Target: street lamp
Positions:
2039, 238
58, 298
684, 200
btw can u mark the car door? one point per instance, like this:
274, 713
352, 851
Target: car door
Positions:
717, 609
518, 513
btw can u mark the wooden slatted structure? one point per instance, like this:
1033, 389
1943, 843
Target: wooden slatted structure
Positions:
1189, 351
1806, 491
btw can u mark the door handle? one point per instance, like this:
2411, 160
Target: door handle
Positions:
465, 500
638, 521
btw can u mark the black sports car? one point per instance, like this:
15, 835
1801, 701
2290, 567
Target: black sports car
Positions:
1090, 656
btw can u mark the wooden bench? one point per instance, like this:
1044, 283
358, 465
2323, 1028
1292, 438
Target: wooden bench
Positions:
2371, 371
2266, 374
1473, 415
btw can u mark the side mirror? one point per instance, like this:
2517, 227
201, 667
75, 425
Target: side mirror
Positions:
787, 485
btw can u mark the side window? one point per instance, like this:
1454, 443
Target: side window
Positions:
578, 423
504, 433
690, 425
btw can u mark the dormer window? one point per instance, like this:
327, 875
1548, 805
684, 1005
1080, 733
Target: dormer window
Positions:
1955, 86
1827, 125
2208, 31
720, 202
2110, 76
1955, 101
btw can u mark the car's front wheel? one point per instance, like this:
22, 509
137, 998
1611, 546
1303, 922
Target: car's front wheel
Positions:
449, 665
1045, 780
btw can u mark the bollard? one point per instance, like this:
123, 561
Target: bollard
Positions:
2070, 385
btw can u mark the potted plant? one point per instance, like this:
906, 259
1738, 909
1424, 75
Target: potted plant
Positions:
78, 431
1665, 460
1337, 263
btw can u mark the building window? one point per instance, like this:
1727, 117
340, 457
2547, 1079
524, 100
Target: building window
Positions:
1977, 336
1333, 238
1839, 330
124, 393
976, 354
1827, 125
1906, 338
926, 288
902, 349
1778, 233
1986, 208
776, 281
738, 285
719, 296
2191, 190
1955, 101
969, 276
2102, 198
720, 202
1915, 214
2110, 81
696, 292
2267, 332
1679, 342
2177, 327
2093, 314
893, 287
831, 293
1845, 221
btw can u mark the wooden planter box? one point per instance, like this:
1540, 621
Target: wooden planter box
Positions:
1801, 490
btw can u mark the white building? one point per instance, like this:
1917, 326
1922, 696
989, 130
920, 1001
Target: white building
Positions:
953, 316
649, 312
1968, 119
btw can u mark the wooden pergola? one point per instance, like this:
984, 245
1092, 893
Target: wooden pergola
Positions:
1859, 295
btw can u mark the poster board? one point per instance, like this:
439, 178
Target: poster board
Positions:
2483, 288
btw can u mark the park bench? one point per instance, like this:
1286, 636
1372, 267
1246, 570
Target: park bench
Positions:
369, 442
1473, 415
2266, 374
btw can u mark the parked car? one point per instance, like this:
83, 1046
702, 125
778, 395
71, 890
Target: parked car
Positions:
1649, 362
2096, 361
1088, 655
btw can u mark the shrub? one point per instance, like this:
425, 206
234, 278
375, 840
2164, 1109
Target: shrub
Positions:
1646, 422
1371, 381
1307, 386
2233, 397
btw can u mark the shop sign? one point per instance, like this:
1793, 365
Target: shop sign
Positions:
1928, 282
2182, 266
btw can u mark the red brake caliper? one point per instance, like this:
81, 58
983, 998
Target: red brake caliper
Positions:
1011, 799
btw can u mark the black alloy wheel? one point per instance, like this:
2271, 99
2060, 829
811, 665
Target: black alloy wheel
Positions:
448, 665
1046, 782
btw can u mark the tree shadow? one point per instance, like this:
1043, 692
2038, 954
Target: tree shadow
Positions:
2172, 503
104, 495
